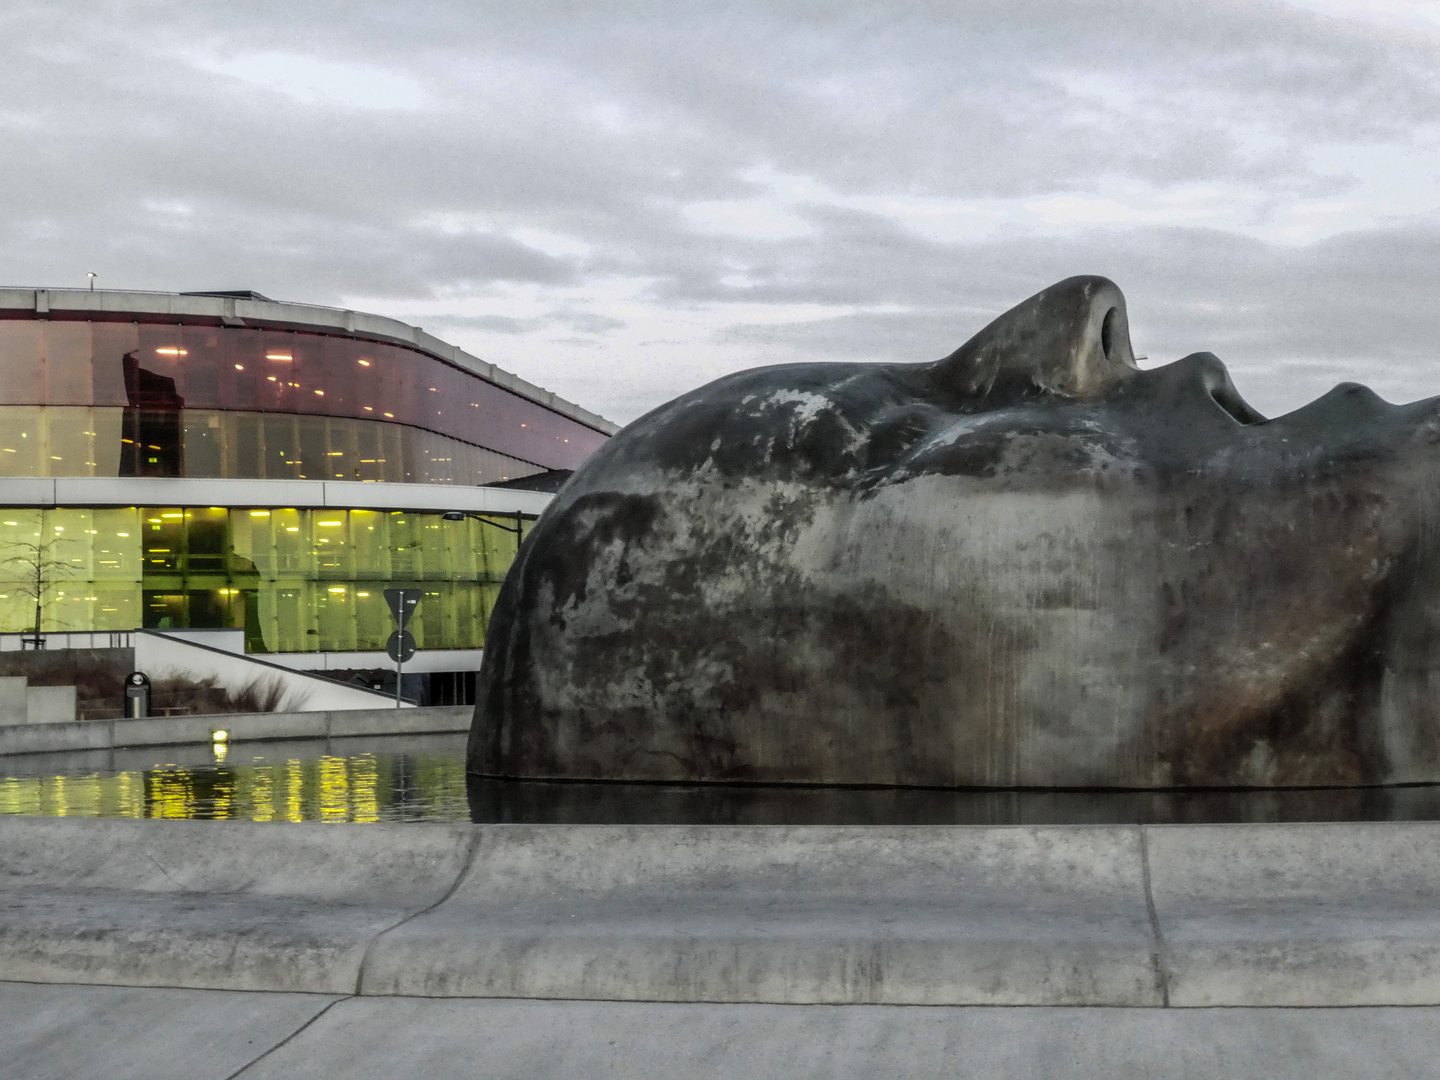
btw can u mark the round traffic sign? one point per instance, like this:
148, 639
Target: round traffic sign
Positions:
401, 647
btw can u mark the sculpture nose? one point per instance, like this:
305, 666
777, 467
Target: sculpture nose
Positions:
1070, 340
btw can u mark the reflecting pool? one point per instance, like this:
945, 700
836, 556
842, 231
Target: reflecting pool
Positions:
414, 778
421, 778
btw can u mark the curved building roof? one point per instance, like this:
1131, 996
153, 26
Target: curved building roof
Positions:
238, 386
241, 308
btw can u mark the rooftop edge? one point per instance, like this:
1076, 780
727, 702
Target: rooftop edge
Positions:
267, 314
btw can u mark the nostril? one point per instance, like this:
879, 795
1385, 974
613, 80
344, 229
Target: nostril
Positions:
1107, 333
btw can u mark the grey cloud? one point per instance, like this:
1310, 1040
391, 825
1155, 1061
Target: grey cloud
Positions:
1290, 322
494, 324
589, 323
967, 102
602, 122
583, 322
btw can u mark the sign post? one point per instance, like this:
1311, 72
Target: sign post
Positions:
401, 644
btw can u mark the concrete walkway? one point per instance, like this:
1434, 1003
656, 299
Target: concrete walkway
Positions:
198, 949
115, 1033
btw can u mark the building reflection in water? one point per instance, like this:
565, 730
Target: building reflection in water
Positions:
238, 785
422, 778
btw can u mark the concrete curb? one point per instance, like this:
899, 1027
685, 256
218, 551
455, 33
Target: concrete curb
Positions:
919, 916
222, 905
239, 727
1238, 915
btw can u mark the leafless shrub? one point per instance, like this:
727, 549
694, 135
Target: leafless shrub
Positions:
98, 676
264, 694
180, 695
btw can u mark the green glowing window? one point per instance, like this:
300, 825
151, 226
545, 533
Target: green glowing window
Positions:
293, 580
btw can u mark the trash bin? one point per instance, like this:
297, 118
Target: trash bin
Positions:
137, 695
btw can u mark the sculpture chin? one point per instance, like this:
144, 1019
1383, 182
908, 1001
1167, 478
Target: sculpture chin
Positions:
1027, 564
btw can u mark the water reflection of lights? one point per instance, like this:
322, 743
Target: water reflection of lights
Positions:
334, 790
359, 788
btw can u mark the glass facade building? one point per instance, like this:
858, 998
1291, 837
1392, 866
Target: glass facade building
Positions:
295, 581
170, 399
61, 440
144, 388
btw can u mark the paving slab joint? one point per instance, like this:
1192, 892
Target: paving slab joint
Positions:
288, 1038
1160, 958
472, 846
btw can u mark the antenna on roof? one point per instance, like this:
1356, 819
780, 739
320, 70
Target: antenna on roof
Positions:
92, 275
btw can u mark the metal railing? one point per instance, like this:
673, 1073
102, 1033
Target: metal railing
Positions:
67, 639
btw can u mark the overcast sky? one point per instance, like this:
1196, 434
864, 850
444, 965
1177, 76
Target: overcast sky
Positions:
620, 201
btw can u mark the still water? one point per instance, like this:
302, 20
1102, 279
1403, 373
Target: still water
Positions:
422, 778
374, 779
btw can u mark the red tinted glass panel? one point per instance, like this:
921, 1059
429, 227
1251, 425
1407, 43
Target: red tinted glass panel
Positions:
77, 363
21, 347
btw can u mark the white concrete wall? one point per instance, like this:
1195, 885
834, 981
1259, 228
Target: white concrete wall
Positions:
231, 641
122, 733
160, 655
24, 706
50, 705
14, 708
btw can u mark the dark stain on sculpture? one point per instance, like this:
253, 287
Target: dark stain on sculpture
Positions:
1028, 564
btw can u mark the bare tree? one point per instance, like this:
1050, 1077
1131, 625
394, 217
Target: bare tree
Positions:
36, 570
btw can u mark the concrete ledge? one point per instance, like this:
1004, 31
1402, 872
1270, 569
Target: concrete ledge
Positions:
240, 727
211, 904
1299, 914
1239, 915
56, 738
916, 916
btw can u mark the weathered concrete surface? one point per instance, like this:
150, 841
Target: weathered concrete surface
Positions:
887, 915
209, 903
1026, 564
1299, 914
371, 1038
79, 1033
425, 720
1306, 915
239, 727
71, 1032
13, 707
22, 704
50, 704
57, 738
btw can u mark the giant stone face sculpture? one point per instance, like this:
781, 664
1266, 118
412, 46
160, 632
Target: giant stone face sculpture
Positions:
1027, 564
